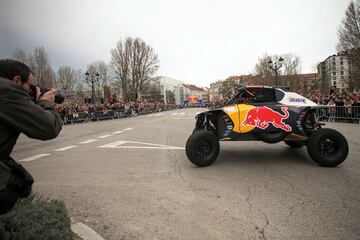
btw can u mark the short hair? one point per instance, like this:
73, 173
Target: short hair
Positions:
10, 68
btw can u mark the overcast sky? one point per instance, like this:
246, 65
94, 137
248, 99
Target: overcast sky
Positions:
198, 41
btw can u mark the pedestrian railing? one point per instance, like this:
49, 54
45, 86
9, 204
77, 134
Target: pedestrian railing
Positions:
99, 115
350, 114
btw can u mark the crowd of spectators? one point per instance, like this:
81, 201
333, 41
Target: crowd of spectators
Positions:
341, 106
71, 111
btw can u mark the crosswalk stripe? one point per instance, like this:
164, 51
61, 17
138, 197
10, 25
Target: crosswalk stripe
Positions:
105, 136
65, 148
34, 157
88, 141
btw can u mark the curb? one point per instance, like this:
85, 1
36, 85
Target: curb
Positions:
85, 232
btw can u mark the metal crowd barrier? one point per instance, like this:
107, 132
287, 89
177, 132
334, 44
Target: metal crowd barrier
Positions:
349, 114
79, 117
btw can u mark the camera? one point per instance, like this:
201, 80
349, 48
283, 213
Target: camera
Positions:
59, 98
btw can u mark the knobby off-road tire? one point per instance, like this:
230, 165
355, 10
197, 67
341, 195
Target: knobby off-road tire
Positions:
294, 144
202, 148
327, 147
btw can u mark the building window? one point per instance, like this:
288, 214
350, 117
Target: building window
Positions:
341, 58
333, 68
342, 72
334, 73
342, 68
334, 82
334, 78
334, 63
342, 77
341, 63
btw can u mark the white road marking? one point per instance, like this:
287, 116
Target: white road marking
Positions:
65, 148
35, 157
119, 144
105, 136
85, 232
128, 129
181, 114
117, 132
183, 118
174, 114
88, 141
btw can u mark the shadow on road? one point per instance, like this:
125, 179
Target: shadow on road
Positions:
264, 156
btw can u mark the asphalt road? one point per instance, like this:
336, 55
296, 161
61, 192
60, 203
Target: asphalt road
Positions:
130, 179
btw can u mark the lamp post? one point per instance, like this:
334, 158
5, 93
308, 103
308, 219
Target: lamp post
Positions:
92, 79
275, 67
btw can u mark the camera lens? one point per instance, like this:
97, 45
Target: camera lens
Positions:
59, 98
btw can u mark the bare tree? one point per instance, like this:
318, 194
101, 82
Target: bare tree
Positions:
134, 63
101, 68
21, 56
349, 30
262, 67
349, 41
290, 69
67, 78
120, 60
39, 64
228, 87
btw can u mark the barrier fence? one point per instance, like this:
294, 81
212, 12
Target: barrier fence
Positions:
99, 115
350, 114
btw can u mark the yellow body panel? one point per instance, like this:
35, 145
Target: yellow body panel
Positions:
233, 113
237, 114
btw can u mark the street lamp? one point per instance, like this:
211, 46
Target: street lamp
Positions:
92, 79
275, 67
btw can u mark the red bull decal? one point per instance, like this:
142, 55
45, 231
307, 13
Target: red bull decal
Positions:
261, 117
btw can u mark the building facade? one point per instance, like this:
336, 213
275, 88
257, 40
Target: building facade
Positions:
192, 90
334, 73
179, 90
171, 86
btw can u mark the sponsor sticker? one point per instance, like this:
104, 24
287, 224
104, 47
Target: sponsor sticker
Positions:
261, 117
296, 100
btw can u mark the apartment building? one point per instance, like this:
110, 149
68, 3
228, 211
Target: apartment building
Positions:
335, 73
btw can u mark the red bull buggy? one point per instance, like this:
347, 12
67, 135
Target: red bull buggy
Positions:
267, 114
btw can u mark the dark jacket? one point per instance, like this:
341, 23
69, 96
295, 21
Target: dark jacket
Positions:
18, 114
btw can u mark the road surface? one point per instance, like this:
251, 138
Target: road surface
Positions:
130, 179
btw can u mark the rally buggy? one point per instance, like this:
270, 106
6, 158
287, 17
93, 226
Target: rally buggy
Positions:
268, 114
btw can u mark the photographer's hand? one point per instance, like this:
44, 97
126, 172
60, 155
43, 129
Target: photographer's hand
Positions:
38, 93
49, 95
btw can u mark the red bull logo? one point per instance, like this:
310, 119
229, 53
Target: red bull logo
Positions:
261, 117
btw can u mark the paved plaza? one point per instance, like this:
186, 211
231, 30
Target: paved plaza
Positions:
130, 179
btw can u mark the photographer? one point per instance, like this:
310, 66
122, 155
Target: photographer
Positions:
19, 114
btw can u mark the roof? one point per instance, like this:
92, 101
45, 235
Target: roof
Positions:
193, 87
